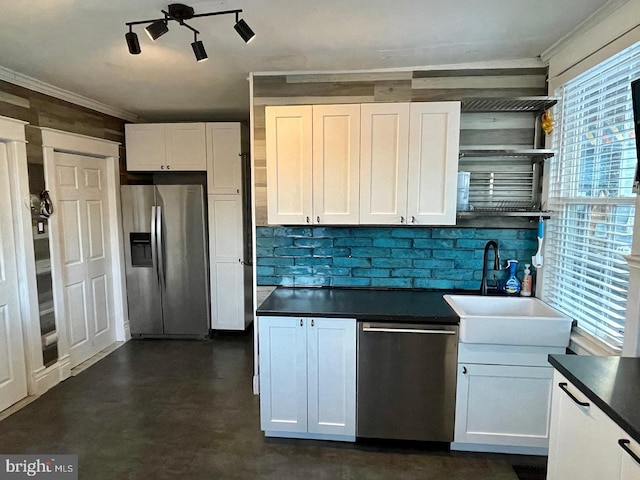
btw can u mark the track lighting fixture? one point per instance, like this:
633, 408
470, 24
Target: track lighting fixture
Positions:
178, 12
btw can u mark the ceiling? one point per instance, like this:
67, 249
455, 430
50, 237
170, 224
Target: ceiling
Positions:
79, 46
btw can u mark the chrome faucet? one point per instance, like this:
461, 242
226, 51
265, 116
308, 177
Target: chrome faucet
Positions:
496, 265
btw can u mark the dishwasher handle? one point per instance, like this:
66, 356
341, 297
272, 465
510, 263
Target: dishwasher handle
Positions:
368, 328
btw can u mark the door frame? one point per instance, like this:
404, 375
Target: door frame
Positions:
58, 141
12, 135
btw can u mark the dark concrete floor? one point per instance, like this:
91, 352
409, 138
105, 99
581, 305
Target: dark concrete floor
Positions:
157, 409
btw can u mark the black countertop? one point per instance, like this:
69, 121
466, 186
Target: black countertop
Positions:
416, 306
612, 383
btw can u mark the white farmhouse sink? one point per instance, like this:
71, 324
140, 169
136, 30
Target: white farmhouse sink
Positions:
509, 321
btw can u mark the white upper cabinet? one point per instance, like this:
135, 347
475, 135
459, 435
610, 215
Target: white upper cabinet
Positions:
166, 146
384, 158
433, 163
224, 160
289, 134
375, 164
336, 158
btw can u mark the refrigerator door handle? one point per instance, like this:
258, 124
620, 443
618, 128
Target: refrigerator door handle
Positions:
160, 247
154, 247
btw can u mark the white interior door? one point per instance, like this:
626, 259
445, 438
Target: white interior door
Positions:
13, 376
82, 216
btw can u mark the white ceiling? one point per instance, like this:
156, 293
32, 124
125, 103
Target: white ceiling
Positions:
79, 45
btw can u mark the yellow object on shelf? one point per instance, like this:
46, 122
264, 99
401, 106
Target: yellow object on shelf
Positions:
547, 122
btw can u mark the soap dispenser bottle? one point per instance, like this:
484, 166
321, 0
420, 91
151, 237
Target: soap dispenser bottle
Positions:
527, 281
512, 285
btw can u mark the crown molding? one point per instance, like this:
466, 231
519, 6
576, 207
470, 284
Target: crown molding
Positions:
489, 64
599, 15
36, 85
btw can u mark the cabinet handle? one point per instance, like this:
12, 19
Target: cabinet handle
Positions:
563, 386
161, 167
464, 370
301, 322
318, 219
624, 443
401, 219
307, 219
237, 190
312, 322
413, 219
168, 166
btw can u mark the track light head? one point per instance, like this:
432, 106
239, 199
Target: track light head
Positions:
156, 29
132, 43
244, 30
199, 51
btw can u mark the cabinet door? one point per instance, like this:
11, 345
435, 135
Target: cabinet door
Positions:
384, 160
630, 464
289, 164
146, 150
332, 376
226, 261
583, 440
283, 374
186, 147
503, 405
433, 163
224, 161
336, 162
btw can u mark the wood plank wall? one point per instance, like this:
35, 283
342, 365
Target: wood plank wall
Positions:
406, 86
44, 111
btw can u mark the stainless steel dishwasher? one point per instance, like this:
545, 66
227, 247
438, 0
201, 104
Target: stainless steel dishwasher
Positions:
406, 381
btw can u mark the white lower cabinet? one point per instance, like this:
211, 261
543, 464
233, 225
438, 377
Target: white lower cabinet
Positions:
308, 377
585, 442
503, 398
503, 405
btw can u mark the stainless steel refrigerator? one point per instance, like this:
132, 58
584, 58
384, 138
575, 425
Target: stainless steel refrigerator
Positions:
166, 260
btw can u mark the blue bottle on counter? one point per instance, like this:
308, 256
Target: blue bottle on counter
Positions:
512, 285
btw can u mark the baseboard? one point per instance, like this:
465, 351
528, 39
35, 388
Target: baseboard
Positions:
46, 378
311, 436
476, 447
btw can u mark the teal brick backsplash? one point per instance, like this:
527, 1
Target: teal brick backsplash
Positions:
385, 257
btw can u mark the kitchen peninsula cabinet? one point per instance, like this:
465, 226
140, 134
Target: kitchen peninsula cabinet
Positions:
313, 164
368, 164
155, 147
595, 423
308, 377
584, 442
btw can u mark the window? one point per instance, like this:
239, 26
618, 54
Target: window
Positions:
590, 195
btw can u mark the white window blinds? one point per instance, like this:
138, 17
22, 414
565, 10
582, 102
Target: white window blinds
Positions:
590, 195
